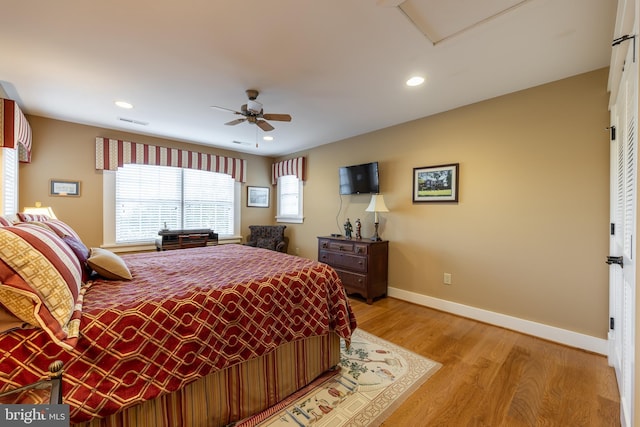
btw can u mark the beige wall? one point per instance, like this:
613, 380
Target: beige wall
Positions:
528, 237
67, 151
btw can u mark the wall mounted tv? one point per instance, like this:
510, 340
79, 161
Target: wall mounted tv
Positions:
359, 179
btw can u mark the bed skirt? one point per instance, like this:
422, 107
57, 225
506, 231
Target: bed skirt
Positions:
234, 393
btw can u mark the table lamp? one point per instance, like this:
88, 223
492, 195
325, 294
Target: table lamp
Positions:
38, 209
376, 205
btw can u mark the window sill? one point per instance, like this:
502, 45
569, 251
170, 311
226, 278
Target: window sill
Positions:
147, 246
290, 219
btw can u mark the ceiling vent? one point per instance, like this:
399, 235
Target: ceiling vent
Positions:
135, 122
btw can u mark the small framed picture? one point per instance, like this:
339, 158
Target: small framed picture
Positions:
61, 187
436, 183
258, 197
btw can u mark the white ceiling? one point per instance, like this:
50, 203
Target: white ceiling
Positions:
337, 66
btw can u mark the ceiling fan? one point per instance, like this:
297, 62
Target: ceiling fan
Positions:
253, 113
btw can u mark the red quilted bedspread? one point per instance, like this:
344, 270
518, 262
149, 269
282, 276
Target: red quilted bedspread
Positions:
187, 313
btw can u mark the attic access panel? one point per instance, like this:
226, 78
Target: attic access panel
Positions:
439, 20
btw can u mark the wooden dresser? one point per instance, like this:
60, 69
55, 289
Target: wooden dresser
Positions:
361, 264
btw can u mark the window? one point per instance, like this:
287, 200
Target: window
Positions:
149, 198
9, 168
290, 199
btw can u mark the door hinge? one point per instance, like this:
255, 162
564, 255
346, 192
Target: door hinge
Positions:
613, 229
624, 38
612, 129
612, 323
615, 260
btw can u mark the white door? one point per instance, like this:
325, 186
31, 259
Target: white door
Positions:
622, 282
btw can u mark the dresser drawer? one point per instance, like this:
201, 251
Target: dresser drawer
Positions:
352, 281
341, 246
345, 260
344, 246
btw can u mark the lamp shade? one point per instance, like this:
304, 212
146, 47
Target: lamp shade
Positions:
377, 204
40, 210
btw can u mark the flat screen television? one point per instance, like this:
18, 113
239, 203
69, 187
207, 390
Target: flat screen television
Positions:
359, 179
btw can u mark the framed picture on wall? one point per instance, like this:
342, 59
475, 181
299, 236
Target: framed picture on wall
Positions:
258, 197
436, 183
60, 187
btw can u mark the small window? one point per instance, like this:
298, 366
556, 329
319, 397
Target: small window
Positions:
9, 168
290, 199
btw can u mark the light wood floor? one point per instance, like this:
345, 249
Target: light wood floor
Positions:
492, 376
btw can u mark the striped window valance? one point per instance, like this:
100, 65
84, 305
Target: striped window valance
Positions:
15, 131
113, 153
288, 167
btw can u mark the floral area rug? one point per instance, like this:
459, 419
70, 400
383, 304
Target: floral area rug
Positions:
374, 378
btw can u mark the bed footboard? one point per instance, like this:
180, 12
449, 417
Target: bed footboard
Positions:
41, 392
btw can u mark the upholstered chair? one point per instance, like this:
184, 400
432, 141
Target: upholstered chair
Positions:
268, 237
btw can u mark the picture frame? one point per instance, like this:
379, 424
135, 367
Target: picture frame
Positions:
436, 183
62, 187
257, 197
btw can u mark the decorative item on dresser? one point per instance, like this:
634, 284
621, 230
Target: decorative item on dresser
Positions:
182, 239
361, 264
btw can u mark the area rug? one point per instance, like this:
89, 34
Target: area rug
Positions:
374, 378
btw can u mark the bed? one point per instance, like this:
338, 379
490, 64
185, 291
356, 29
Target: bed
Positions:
197, 337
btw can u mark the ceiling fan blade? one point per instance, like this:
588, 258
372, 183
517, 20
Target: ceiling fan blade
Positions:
264, 125
278, 117
235, 122
225, 109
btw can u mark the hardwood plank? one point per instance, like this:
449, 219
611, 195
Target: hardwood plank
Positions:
492, 376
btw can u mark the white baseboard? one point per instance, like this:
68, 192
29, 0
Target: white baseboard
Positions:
551, 333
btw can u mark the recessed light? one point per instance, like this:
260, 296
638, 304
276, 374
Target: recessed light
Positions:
124, 104
415, 81
267, 138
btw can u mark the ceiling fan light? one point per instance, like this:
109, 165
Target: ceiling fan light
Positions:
267, 138
254, 106
415, 81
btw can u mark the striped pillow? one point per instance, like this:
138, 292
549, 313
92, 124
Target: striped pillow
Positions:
24, 217
5, 222
67, 234
41, 281
62, 229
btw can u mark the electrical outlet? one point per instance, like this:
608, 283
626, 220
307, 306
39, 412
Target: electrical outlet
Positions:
447, 278
297, 251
